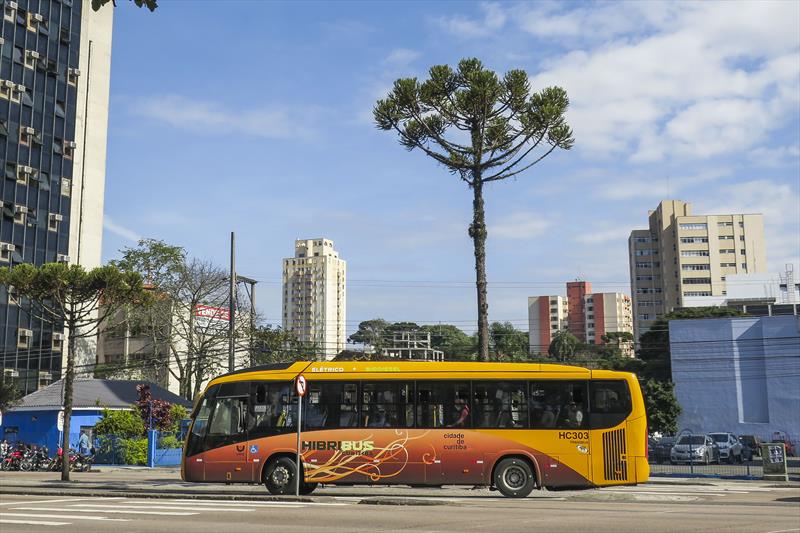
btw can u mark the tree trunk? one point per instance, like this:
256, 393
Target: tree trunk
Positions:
69, 378
477, 231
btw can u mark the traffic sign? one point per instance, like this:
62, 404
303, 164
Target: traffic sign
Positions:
300, 386
60, 423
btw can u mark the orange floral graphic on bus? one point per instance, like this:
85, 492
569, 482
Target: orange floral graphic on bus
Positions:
363, 456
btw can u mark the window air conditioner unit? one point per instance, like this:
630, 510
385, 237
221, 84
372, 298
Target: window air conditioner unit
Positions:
70, 144
10, 372
11, 5
20, 209
32, 54
28, 130
58, 336
75, 71
62, 258
7, 247
37, 17
25, 332
26, 169
9, 83
45, 376
20, 88
56, 217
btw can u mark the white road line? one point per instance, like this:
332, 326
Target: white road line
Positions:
257, 503
34, 522
162, 507
78, 517
100, 511
44, 501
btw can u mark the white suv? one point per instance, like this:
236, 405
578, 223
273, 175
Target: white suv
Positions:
730, 449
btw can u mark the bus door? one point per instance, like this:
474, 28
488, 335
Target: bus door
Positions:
610, 405
226, 437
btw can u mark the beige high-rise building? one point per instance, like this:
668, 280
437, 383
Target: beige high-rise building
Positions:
684, 255
314, 282
547, 315
608, 312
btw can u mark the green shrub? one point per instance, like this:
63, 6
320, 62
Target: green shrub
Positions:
169, 441
177, 413
124, 424
134, 451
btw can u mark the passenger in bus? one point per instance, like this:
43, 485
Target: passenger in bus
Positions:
574, 416
548, 419
378, 419
462, 407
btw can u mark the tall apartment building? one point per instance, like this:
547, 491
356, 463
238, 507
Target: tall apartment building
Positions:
683, 255
314, 282
547, 315
608, 312
54, 87
576, 303
595, 314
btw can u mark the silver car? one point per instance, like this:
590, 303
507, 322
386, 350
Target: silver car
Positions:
730, 449
694, 449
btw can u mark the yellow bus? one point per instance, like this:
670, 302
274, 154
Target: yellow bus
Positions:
510, 426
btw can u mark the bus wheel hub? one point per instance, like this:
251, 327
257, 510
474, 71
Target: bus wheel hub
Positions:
515, 477
280, 476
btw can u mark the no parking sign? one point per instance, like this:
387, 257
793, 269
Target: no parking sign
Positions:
300, 386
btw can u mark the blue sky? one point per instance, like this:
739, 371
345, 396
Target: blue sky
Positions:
255, 117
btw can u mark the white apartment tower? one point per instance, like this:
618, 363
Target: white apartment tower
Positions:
314, 283
547, 315
682, 255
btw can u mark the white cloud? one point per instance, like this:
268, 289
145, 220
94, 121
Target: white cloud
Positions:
603, 236
120, 231
703, 80
519, 226
657, 187
494, 18
214, 118
401, 57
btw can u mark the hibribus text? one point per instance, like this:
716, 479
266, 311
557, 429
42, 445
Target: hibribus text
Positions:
344, 446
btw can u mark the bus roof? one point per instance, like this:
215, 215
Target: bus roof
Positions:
403, 369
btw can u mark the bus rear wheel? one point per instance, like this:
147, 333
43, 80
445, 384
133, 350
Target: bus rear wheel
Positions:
514, 478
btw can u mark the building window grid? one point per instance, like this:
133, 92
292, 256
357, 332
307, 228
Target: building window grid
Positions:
36, 116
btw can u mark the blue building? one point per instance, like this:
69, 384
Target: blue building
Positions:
35, 419
740, 375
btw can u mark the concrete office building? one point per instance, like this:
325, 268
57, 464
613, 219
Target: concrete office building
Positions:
54, 90
314, 304
737, 374
608, 312
683, 255
547, 315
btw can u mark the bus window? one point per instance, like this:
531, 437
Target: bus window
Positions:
387, 404
331, 404
443, 404
227, 424
272, 409
499, 404
200, 425
558, 404
611, 403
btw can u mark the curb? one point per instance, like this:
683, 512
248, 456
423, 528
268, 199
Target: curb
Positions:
101, 493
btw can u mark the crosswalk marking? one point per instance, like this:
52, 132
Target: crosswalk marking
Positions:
44, 501
163, 507
62, 516
32, 522
256, 503
120, 511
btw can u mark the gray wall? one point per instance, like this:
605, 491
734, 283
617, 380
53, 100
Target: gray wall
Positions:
738, 374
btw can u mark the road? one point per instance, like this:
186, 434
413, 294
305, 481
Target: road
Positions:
655, 508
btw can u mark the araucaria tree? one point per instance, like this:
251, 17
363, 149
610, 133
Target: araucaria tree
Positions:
77, 300
482, 129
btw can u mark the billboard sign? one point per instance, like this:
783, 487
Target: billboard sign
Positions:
207, 317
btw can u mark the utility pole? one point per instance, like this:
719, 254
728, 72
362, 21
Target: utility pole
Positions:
232, 305
252, 295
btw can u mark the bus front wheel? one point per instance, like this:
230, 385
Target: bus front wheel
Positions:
279, 478
514, 478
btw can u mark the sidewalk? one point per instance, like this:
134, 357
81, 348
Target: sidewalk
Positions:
166, 483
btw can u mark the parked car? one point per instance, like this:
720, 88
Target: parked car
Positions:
694, 449
781, 436
660, 449
730, 449
751, 446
